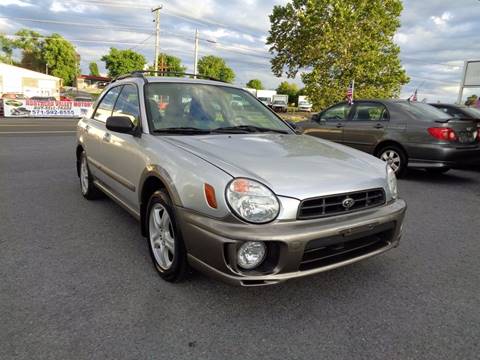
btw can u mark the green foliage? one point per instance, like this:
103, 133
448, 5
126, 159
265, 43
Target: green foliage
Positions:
338, 41
471, 100
31, 43
61, 58
6, 49
215, 67
255, 84
120, 62
171, 63
93, 67
290, 89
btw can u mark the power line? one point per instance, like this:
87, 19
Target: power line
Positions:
55, 22
79, 40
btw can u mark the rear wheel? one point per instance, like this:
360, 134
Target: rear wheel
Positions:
437, 171
395, 157
165, 239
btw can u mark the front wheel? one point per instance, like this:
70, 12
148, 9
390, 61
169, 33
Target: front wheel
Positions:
88, 188
395, 157
166, 243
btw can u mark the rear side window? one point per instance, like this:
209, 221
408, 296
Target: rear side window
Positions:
452, 112
423, 111
128, 104
370, 112
105, 108
336, 113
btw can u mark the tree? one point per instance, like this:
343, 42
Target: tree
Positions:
289, 89
61, 58
93, 67
338, 41
215, 67
120, 62
171, 63
6, 49
255, 84
31, 43
471, 100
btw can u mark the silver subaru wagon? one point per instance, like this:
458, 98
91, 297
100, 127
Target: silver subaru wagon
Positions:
221, 184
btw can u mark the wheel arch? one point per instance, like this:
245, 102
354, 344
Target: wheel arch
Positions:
153, 179
384, 143
78, 152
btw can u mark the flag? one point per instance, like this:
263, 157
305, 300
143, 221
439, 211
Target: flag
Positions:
350, 90
414, 96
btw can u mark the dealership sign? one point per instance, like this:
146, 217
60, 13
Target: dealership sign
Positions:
41, 108
470, 77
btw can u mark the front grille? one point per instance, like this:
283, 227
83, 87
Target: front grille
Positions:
335, 204
342, 251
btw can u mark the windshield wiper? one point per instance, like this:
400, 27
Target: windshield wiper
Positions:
247, 129
182, 130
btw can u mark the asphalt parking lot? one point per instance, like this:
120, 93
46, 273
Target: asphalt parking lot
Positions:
77, 281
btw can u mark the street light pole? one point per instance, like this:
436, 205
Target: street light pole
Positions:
195, 61
157, 33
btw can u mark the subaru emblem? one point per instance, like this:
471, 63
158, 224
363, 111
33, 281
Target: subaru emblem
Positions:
348, 203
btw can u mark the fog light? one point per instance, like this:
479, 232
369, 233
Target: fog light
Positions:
251, 254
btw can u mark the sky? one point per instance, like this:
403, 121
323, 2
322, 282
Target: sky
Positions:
435, 37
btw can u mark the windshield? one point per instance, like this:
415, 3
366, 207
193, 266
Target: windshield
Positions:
424, 111
207, 107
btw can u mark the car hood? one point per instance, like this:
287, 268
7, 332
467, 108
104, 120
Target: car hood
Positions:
297, 166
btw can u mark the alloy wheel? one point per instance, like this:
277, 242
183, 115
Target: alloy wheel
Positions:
392, 158
84, 175
162, 237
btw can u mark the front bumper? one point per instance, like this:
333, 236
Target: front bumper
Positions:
211, 243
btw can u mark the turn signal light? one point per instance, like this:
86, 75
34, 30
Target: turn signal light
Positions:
444, 134
210, 196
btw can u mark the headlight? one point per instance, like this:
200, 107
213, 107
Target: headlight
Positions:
392, 182
252, 201
251, 254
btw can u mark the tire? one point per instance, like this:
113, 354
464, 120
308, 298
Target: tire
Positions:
87, 187
437, 171
396, 157
165, 240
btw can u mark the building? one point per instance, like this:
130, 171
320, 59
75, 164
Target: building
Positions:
90, 82
14, 79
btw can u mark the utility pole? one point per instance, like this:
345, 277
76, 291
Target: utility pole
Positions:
157, 32
195, 60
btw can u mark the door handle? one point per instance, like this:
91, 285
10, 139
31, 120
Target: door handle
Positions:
378, 126
340, 125
106, 137
87, 128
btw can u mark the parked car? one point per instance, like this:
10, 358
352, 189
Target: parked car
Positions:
83, 98
403, 133
304, 106
233, 192
20, 111
460, 111
13, 96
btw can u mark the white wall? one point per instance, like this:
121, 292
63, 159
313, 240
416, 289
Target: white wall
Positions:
13, 82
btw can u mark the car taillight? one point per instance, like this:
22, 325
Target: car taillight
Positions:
445, 134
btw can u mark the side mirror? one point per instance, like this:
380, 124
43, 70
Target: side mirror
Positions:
120, 124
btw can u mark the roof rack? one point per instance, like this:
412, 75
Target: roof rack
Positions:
141, 74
